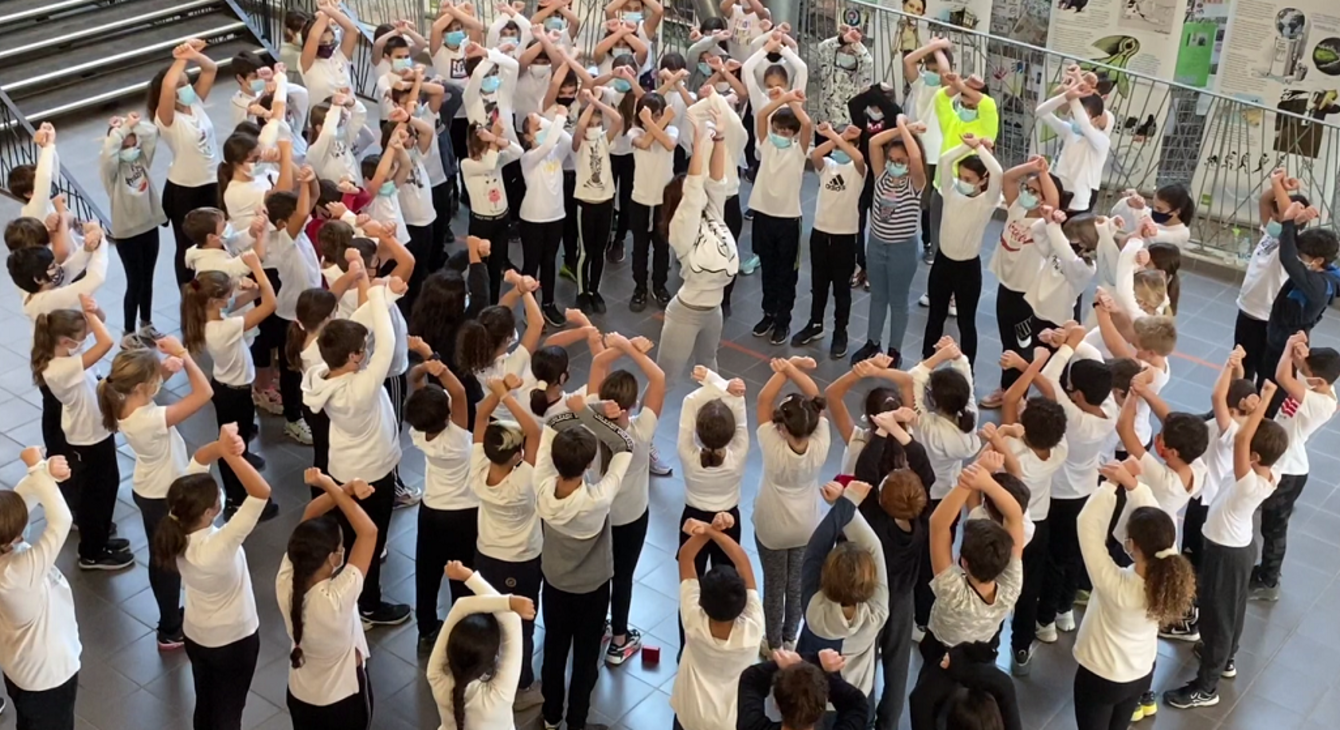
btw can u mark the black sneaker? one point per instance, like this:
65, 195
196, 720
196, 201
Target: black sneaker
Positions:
108, 560
171, 642
554, 317
662, 296
867, 351
616, 654
809, 334
117, 544
1230, 669
427, 641
780, 332
270, 511
639, 301
1021, 662
897, 363
615, 253
584, 304
256, 461
1189, 696
838, 349
387, 614
927, 254
597, 303
764, 326
1180, 630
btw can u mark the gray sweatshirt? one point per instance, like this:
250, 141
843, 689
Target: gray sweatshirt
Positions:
136, 207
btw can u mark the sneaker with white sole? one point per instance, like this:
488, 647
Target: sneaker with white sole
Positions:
953, 307
1065, 622
268, 400
1230, 669
656, 466
1179, 630
1046, 633
406, 496
924, 301
1021, 662
1190, 696
299, 431
617, 654
108, 560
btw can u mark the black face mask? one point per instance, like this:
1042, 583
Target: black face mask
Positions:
567, 100
774, 57
1160, 218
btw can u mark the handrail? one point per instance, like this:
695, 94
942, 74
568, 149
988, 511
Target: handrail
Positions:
16, 148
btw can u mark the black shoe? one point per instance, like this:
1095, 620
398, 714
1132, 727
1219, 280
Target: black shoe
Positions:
867, 351
927, 254
1230, 669
386, 614
809, 334
117, 544
584, 304
615, 253
897, 363
108, 560
639, 301
780, 332
111, 530
838, 349
554, 317
427, 641
256, 461
748, 214
270, 511
597, 303
662, 296
1189, 696
764, 326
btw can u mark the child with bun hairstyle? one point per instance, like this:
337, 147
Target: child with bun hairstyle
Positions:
713, 446
549, 366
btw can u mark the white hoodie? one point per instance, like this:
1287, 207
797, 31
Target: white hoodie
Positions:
1063, 276
364, 440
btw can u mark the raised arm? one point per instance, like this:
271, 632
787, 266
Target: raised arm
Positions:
1295, 351
1242, 441
201, 391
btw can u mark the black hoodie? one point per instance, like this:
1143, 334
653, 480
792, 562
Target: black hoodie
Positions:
1304, 297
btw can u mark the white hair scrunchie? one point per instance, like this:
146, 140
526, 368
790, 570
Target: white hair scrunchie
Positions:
541, 385
1166, 553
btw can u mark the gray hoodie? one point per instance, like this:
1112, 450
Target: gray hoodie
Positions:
136, 207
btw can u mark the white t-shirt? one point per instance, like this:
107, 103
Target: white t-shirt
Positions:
1036, 474
1084, 147
299, 270
195, 153
837, 211
228, 349
1018, 258
542, 167
630, 502
220, 605
446, 477
595, 179
385, 209
717, 488
964, 217
201, 260
946, 444
1087, 435
1229, 522
160, 452
787, 507
516, 362
483, 180
1167, 487
776, 190
1265, 277
1218, 460
509, 528
921, 105
332, 637
1300, 421
1144, 430
416, 195
653, 168
449, 63
327, 75
77, 390
705, 692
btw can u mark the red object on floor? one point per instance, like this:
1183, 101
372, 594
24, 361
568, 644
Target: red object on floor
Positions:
651, 654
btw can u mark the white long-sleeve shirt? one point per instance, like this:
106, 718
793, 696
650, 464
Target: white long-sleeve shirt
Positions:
1083, 151
1087, 435
220, 604
1062, 277
477, 107
331, 154
964, 218
946, 444
483, 180
44, 174
67, 296
488, 702
716, 488
707, 253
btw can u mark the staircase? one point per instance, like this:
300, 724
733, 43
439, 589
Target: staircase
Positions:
64, 56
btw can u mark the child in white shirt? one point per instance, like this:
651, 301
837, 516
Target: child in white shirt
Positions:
1086, 138
653, 141
490, 151
1067, 266
598, 126
542, 211
1265, 275
713, 448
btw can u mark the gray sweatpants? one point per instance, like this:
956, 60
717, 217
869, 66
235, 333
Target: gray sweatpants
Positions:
895, 655
781, 592
688, 336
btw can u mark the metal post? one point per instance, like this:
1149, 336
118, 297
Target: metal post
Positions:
784, 11
707, 9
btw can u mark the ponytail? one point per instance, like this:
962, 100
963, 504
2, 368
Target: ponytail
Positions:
799, 415
196, 295
310, 546
131, 368
314, 307
549, 365
225, 175
48, 329
189, 499
1170, 581
715, 427
472, 654
949, 394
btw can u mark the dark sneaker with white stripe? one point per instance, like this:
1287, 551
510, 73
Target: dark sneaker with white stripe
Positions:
108, 560
809, 334
386, 614
1190, 696
617, 654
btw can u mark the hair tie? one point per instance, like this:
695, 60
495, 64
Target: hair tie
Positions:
195, 285
541, 385
1167, 552
173, 517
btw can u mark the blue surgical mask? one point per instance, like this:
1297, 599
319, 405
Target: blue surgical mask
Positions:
186, 95
229, 235
930, 78
779, 141
1274, 229
490, 84
402, 64
540, 135
704, 69
965, 188
257, 86
897, 169
387, 189
129, 154
1028, 200
623, 86
634, 17
964, 113
840, 157
554, 23
1076, 128
455, 38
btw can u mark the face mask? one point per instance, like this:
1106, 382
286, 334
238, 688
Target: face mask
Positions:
1160, 218
874, 115
1028, 200
490, 84
186, 95
325, 50
554, 23
567, 101
540, 135
402, 64
897, 169
539, 71
704, 69
129, 154
455, 38
779, 141
846, 61
964, 113
965, 188
229, 235
387, 189
1273, 228
930, 78
257, 86
1074, 127
623, 86
506, 39
840, 157
634, 17
593, 132
774, 57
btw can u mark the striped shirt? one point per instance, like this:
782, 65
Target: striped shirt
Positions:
895, 214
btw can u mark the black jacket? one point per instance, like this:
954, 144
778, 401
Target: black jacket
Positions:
1304, 297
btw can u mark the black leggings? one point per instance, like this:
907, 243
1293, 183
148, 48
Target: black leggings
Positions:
139, 255
96, 477
1065, 568
573, 624
351, 713
622, 167
422, 245
627, 540
442, 237
1250, 333
444, 535
493, 230
166, 584
649, 239
222, 676
539, 248
571, 237
522, 579
593, 223
48, 709
734, 218
233, 404
379, 506
319, 423
177, 202
1024, 627
460, 126
1104, 705
961, 281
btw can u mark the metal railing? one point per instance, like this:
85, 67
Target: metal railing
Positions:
17, 148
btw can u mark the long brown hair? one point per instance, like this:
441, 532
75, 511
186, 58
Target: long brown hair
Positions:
314, 307
130, 370
188, 499
1170, 581
309, 548
48, 329
674, 192
196, 295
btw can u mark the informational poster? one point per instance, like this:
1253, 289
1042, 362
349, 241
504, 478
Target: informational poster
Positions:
922, 17
920, 21
1202, 43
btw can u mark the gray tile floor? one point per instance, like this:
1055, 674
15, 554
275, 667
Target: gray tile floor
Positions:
1291, 650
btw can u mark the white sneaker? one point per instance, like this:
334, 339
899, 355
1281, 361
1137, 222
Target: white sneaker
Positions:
918, 633
1047, 634
1066, 621
924, 301
953, 307
299, 431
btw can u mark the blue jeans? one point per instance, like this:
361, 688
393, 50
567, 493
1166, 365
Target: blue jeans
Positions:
889, 269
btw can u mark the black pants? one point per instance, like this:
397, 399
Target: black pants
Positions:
832, 261
421, 244
460, 127
351, 713
165, 584
177, 202
222, 676
681, 160
735, 224
233, 404
522, 579
1250, 333
1221, 589
1104, 705
622, 167
627, 541
935, 685
574, 623
895, 654
50, 709
493, 230
923, 596
378, 505
1275, 514
96, 476
648, 239
1014, 318
593, 226
319, 422
1024, 628
444, 535
1193, 541
514, 182
571, 239
1065, 566
290, 390
442, 237
539, 248
1273, 355
710, 551
960, 281
777, 243
139, 255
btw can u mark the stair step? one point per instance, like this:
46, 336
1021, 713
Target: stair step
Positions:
97, 57
12, 11
93, 21
125, 81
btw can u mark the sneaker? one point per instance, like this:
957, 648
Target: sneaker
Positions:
867, 351
597, 303
1149, 704
764, 326
1138, 713
615, 253
1262, 592
924, 301
1021, 664
953, 307
749, 265
897, 358
565, 271
639, 301
406, 496
171, 642
1046, 633
657, 466
858, 279
748, 212
780, 333
1065, 622
1230, 669
1190, 696
810, 333
617, 654
117, 544
838, 348
269, 512
554, 317
427, 642
299, 431
386, 614
584, 303
927, 254
1180, 630
269, 401
108, 560
662, 296
256, 461
1081, 597
993, 401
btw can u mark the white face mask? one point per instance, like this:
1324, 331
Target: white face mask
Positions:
593, 133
